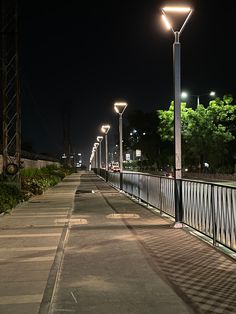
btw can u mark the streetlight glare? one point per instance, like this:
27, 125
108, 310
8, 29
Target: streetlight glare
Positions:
212, 93
99, 138
166, 22
175, 18
184, 95
176, 9
105, 128
120, 107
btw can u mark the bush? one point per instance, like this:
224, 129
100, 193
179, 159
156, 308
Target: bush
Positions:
10, 196
33, 182
36, 181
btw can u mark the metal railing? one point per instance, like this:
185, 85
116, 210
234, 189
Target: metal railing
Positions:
207, 207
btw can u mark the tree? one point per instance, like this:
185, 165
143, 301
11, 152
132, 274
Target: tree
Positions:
207, 132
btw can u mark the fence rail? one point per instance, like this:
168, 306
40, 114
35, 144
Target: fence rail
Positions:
207, 207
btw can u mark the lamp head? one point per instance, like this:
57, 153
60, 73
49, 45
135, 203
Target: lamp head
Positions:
105, 128
120, 107
99, 138
175, 17
184, 95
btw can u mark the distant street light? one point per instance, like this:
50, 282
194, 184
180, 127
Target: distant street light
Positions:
180, 15
185, 95
99, 139
95, 145
105, 129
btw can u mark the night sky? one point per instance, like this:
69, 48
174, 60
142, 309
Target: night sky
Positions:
78, 57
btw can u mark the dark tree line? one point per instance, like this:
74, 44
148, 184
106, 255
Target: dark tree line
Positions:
208, 136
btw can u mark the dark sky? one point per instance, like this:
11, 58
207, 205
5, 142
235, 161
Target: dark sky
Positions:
79, 57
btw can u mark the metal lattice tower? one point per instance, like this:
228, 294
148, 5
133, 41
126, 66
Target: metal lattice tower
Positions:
10, 89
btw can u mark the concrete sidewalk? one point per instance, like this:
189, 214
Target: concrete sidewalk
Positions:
124, 258
29, 242
109, 255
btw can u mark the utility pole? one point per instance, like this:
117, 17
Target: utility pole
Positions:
10, 90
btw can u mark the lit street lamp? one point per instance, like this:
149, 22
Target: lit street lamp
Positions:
99, 139
184, 95
180, 15
105, 129
120, 108
95, 145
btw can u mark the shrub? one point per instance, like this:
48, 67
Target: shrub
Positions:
10, 196
33, 182
36, 181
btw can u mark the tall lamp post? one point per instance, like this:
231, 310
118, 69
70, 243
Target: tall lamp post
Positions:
105, 129
120, 108
95, 145
168, 15
99, 139
184, 95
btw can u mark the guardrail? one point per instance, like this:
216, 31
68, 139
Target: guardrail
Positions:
207, 207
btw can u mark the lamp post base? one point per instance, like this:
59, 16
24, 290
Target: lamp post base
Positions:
178, 225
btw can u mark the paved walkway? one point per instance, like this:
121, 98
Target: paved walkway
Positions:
29, 240
110, 255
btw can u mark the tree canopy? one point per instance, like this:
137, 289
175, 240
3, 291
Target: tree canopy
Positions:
208, 133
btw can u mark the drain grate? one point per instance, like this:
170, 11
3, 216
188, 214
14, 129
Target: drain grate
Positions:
84, 191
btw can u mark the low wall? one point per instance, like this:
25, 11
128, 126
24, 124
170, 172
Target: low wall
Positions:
32, 163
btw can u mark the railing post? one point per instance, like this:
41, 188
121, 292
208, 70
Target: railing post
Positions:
139, 187
106, 176
178, 202
121, 181
160, 197
213, 215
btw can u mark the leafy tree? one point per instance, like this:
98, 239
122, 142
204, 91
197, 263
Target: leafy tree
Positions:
207, 132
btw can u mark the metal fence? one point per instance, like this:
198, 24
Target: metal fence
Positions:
208, 208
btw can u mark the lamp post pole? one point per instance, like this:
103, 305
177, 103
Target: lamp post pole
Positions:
105, 129
177, 107
99, 139
106, 156
121, 142
120, 108
96, 155
198, 100
177, 126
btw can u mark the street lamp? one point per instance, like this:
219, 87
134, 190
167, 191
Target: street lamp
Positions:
95, 145
99, 139
169, 15
105, 129
120, 108
184, 95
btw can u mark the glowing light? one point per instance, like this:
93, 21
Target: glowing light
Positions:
176, 9
167, 24
99, 138
105, 128
212, 94
120, 107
